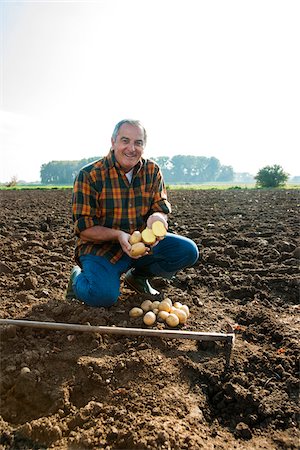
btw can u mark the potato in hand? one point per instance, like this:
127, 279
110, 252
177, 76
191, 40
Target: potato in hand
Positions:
135, 237
159, 229
148, 236
138, 249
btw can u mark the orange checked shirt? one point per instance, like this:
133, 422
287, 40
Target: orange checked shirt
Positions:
102, 195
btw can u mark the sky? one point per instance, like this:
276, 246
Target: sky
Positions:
205, 77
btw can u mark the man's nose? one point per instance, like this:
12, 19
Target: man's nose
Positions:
131, 145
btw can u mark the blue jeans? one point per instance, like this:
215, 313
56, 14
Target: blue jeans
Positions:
98, 283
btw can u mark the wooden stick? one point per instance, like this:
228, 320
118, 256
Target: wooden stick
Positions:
171, 334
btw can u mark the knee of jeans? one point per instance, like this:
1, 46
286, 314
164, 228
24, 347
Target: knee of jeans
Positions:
193, 253
101, 297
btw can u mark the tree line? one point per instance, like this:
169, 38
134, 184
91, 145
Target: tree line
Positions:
177, 169
62, 172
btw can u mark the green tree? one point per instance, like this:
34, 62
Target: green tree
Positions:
212, 169
226, 174
193, 169
271, 176
62, 172
166, 166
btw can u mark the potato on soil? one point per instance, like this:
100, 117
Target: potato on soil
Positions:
148, 236
135, 237
155, 304
162, 315
177, 305
164, 306
146, 305
159, 229
149, 318
172, 320
136, 312
138, 249
182, 316
186, 309
167, 299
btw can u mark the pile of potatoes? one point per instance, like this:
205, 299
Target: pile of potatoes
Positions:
148, 236
164, 311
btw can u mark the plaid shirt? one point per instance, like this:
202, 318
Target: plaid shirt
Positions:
102, 195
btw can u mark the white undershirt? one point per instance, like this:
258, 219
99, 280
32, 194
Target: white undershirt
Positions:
129, 175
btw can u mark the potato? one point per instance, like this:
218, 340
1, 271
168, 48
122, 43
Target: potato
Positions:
155, 304
135, 237
162, 315
172, 320
182, 316
159, 229
136, 312
177, 305
138, 249
148, 236
149, 318
164, 306
185, 308
167, 299
146, 305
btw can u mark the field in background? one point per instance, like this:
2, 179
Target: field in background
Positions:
212, 185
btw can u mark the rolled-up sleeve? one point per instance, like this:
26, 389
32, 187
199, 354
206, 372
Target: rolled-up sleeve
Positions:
160, 202
85, 208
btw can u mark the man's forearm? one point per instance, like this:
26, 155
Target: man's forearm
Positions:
99, 233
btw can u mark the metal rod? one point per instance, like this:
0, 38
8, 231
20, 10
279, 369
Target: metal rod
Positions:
171, 334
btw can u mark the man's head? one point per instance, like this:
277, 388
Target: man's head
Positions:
128, 142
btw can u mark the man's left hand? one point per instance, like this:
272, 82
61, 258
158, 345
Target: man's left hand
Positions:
157, 216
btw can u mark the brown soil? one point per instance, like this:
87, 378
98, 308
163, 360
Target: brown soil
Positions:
75, 390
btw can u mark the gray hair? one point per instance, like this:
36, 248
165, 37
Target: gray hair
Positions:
135, 123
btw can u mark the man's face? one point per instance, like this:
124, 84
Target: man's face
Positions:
128, 146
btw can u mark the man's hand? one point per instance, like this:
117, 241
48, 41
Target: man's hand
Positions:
153, 218
126, 247
157, 216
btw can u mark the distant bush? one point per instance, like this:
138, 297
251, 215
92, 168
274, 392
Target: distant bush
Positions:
13, 182
271, 176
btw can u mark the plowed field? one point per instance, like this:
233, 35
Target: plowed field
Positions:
72, 390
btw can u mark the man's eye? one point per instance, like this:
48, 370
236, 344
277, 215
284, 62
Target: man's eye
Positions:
139, 143
125, 140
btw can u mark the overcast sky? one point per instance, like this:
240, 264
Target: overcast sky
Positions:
208, 78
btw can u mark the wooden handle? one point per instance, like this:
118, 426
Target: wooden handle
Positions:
171, 334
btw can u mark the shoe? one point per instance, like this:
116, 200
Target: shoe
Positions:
70, 293
140, 283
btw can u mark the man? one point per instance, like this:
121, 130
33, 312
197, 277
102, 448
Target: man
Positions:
113, 197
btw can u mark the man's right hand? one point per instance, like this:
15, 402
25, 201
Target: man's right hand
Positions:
123, 239
126, 246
